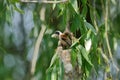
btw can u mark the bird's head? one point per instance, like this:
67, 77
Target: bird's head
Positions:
56, 34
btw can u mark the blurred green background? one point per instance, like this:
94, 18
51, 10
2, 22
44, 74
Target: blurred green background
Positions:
20, 25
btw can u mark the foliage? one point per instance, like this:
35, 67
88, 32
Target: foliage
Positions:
94, 24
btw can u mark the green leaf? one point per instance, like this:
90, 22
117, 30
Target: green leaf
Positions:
61, 71
49, 70
94, 14
89, 26
62, 9
8, 17
87, 70
14, 1
74, 5
88, 34
84, 2
105, 57
91, 15
84, 11
54, 74
82, 27
78, 41
54, 5
54, 58
94, 42
73, 57
18, 9
84, 54
76, 23
75, 44
79, 59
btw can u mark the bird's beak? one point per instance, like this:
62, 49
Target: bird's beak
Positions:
55, 36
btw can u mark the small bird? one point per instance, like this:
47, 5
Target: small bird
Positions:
65, 39
63, 50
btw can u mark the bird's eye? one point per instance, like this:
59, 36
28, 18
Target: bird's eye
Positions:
58, 32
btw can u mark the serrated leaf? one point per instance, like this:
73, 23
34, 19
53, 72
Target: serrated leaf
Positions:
89, 26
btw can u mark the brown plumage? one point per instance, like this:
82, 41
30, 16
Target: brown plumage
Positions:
65, 39
64, 52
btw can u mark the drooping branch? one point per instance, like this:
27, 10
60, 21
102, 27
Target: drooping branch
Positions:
43, 1
38, 42
106, 14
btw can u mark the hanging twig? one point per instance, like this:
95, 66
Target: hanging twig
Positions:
44, 1
94, 19
38, 42
106, 34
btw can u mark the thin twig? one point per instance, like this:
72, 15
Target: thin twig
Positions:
38, 42
94, 19
106, 35
44, 1
106, 29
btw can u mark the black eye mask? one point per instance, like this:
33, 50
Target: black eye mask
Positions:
57, 32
